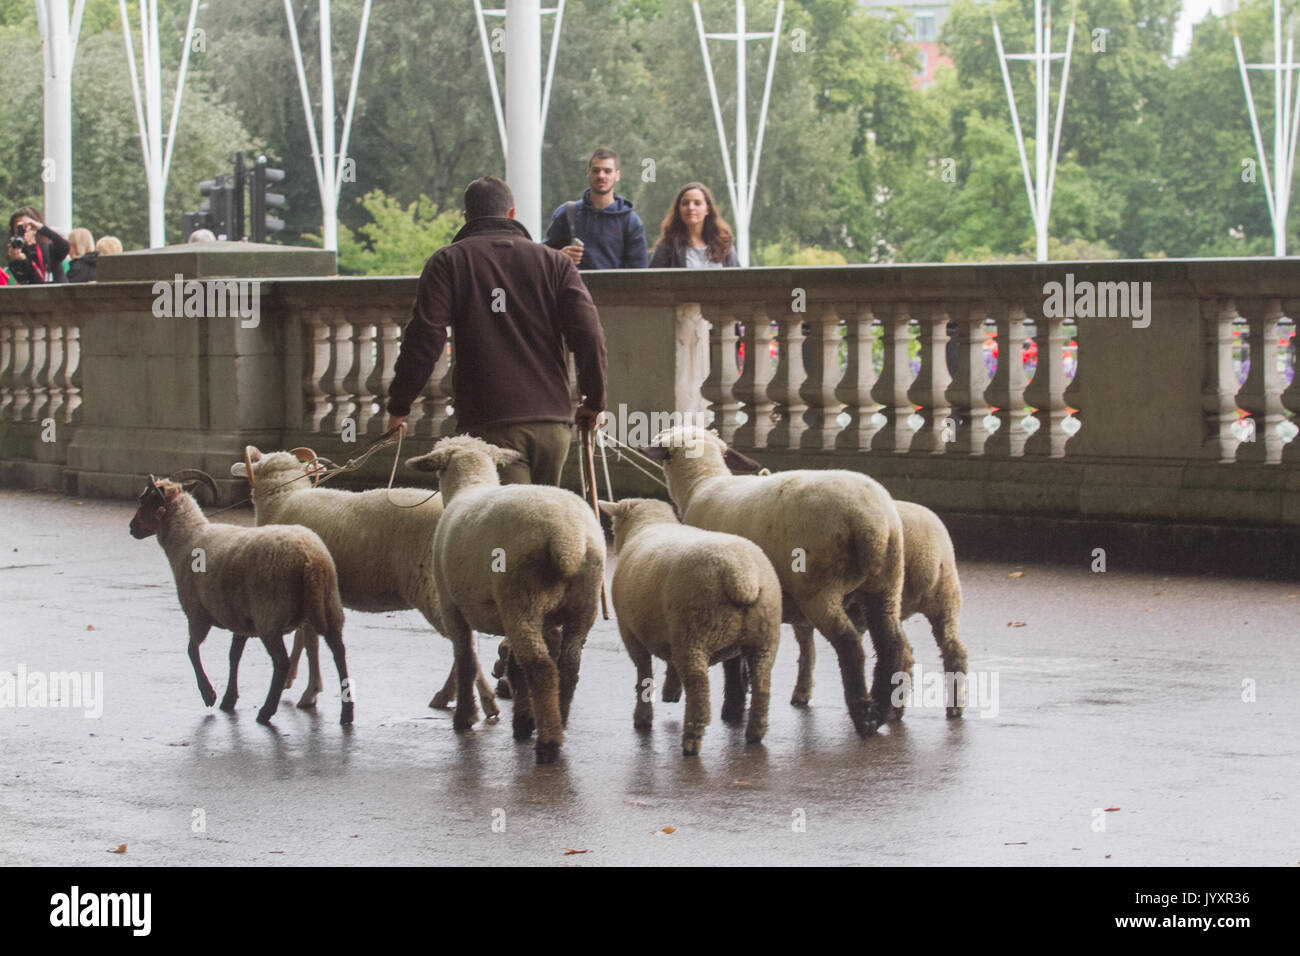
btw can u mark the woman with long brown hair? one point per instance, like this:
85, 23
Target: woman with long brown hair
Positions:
694, 236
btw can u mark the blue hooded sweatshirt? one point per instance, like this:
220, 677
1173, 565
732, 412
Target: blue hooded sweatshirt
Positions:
613, 237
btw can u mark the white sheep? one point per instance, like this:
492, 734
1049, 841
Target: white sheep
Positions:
692, 598
834, 538
930, 587
381, 541
522, 561
250, 581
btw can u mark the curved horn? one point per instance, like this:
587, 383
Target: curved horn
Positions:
194, 474
312, 461
303, 453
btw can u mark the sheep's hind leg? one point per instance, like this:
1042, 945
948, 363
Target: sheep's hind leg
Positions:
643, 714
831, 620
448, 692
694, 671
758, 662
672, 685
542, 676
523, 722
893, 657
237, 643
462, 641
311, 641
299, 642
954, 662
733, 688
280, 664
803, 685
199, 631
335, 642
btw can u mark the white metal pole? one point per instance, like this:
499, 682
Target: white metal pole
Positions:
767, 97
1015, 124
550, 62
329, 193
492, 76
523, 110
717, 109
1042, 48
742, 140
57, 168
352, 96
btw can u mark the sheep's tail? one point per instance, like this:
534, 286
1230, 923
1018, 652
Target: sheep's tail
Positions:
324, 607
740, 584
866, 552
568, 553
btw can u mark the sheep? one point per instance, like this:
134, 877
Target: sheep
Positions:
834, 538
692, 598
381, 541
930, 587
523, 561
249, 581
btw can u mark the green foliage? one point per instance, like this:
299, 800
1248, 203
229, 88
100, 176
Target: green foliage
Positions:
777, 254
396, 241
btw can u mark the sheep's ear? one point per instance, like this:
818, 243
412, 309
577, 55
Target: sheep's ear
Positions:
238, 470
433, 461
657, 453
609, 508
738, 462
251, 453
505, 456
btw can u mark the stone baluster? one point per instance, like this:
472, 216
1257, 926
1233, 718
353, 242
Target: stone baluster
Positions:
1006, 391
358, 379
316, 370
1046, 391
720, 383
1219, 383
970, 378
1261, 393
822, 357
930, 388
37, 384
1074, 396
895, 376
71, 382
1291, 396
788, 405
854, 389
54, 372
381, 374
751, 388
7, 357
342, 380
429, 418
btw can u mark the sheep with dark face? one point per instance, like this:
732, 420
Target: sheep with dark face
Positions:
253, 582
835, 540
381, 541
522, 561
692, 598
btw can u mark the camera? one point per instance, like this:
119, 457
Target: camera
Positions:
16, 242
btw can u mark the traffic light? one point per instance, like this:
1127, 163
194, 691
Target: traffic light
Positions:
260, 200
219, 206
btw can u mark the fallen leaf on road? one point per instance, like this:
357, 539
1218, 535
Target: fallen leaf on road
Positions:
1016, 574
90, 627
568, 852
635, 803
120, 849
740, 783
665, 831
1111, 809
1016, 624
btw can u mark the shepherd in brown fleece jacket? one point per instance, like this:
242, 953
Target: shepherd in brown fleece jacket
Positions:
513, 304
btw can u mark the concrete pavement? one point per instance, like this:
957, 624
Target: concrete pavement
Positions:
1173, 699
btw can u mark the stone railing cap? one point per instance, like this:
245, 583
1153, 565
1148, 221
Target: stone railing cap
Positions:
199, 260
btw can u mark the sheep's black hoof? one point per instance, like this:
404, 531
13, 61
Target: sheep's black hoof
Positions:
307, 703
800, 699
733, 710
465, 721
672, 694
264, 715
228, 704
864, 721
755, 736
503, 690
345, 717
547, 751
523, 727
690, 745
209, 696
954, 712
441, 700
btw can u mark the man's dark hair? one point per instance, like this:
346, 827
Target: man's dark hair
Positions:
488, 196
603, 153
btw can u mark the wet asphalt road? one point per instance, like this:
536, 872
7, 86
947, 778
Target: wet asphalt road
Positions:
1121, 690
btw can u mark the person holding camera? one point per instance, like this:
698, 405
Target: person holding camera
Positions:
36, 252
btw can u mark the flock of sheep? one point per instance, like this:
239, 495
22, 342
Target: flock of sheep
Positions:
820, 549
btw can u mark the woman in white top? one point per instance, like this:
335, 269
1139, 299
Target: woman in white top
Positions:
694, 235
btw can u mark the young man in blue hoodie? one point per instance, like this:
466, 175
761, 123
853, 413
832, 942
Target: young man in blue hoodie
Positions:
611, 234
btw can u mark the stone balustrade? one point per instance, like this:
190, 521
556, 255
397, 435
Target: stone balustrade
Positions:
881, 369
